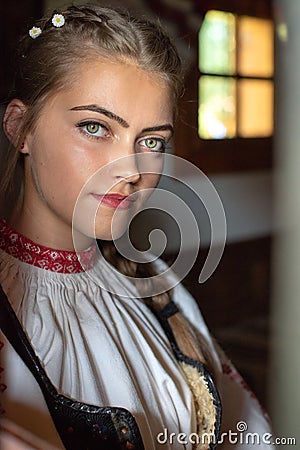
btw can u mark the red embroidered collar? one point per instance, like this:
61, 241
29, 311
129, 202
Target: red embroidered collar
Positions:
62, 261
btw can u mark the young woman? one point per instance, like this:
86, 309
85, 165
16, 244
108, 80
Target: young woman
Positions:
91, 359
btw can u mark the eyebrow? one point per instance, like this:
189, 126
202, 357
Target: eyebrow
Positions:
164, 127
100, 110
122, 122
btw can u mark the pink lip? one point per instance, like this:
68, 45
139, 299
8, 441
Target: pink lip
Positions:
115, 200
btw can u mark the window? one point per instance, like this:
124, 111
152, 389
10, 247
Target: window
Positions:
226, 118
236, 86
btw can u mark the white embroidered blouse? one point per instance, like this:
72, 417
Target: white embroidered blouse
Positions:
104, 349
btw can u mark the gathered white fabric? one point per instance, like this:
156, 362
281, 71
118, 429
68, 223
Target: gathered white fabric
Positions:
107, 350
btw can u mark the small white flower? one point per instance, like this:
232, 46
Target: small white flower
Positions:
58, 20
35, 32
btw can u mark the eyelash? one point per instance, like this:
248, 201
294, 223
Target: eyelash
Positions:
106, 132
160, 141
86, 123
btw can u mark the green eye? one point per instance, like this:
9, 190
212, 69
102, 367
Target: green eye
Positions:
151, 143
157, 145
93, 128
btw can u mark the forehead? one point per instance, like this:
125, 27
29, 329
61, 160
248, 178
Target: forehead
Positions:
121, 86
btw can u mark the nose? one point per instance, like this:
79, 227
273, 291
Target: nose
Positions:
126, 168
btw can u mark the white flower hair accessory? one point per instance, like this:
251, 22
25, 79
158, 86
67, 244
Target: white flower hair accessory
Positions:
34, 32
58, 20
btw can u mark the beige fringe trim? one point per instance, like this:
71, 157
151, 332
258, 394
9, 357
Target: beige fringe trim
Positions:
204, 405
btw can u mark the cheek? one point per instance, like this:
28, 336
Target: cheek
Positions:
60, 168
149, 181
57, 181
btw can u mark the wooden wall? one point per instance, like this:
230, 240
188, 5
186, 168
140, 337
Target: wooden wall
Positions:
16, 17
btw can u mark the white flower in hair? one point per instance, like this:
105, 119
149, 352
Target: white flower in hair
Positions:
35, 32
58, 20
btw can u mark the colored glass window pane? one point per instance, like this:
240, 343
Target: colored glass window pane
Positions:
217, 43
255, 47
255, 116
217, 111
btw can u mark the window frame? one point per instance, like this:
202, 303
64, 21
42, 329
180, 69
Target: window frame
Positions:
220, 155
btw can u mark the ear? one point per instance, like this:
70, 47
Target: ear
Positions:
13, 121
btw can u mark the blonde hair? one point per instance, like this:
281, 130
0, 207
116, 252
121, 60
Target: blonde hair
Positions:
44, 66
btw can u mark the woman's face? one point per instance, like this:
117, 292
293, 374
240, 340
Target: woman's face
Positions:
97, 145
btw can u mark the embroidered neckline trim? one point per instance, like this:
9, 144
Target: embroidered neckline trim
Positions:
61, 261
